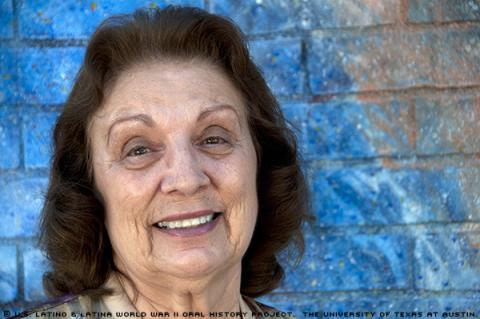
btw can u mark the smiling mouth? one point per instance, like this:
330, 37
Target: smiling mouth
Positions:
188, 223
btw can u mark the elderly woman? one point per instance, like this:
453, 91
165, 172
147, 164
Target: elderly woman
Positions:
175, 182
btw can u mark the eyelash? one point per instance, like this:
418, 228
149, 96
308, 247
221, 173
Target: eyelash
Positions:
146, 150
223, 141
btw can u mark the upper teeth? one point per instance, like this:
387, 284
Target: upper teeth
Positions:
192, 222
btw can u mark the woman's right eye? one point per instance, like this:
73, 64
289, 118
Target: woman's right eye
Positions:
138, 151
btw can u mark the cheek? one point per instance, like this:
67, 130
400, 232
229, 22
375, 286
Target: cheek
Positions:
123, 189
235, 181
125, 205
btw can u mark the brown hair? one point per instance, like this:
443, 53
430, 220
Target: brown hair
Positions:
72, 228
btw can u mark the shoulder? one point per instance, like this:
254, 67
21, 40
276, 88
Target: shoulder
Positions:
259, 309
63, 307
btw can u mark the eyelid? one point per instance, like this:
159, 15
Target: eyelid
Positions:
212, 130
217, 131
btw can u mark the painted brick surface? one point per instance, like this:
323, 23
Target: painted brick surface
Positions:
296, 116
279, 15
279, 61
6, 19
77, 19
8, 76
393, 60
467, 302
8, 273
260, 16
383, 96
37, 138
443, 10
357, 262
348, 13
448, 125
47, 74
35, 265
448, 261
356, 129
376, 196
346, 63
9, 138
457, 57
20, 204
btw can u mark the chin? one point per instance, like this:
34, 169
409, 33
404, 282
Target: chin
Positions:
197, 262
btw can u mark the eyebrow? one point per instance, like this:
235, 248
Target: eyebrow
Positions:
148, 120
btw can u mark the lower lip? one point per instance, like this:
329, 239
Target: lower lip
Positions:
192, 231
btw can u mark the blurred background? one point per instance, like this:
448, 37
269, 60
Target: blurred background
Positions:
384, 96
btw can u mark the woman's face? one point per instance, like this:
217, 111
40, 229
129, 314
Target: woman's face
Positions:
175, 163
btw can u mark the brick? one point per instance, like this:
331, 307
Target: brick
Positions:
348, 63
358, 129
295, 115
279, 60
260, 16
350, 263
381, 196
457, 57
6, 19
21, 200
351, 63
37, 138
47, 74
420, 11
77, 19
348, 13
454, 302
448, 125
9, 138
8, 76
8, 273
447, 261
255, 17
35, 265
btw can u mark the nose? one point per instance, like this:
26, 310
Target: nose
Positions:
184, 173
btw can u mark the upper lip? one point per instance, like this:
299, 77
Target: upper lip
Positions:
186, 215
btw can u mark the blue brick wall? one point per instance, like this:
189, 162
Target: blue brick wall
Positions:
8, 273
6, 19
384, 98
59, 19
421, 11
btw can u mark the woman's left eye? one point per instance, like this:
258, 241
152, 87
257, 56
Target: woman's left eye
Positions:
212, 140
216, 145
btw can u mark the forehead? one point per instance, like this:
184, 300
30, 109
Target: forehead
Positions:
185, 87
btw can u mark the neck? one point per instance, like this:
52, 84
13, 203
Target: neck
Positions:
219, 292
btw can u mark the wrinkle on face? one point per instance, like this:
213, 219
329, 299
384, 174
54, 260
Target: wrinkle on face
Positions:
173, 96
